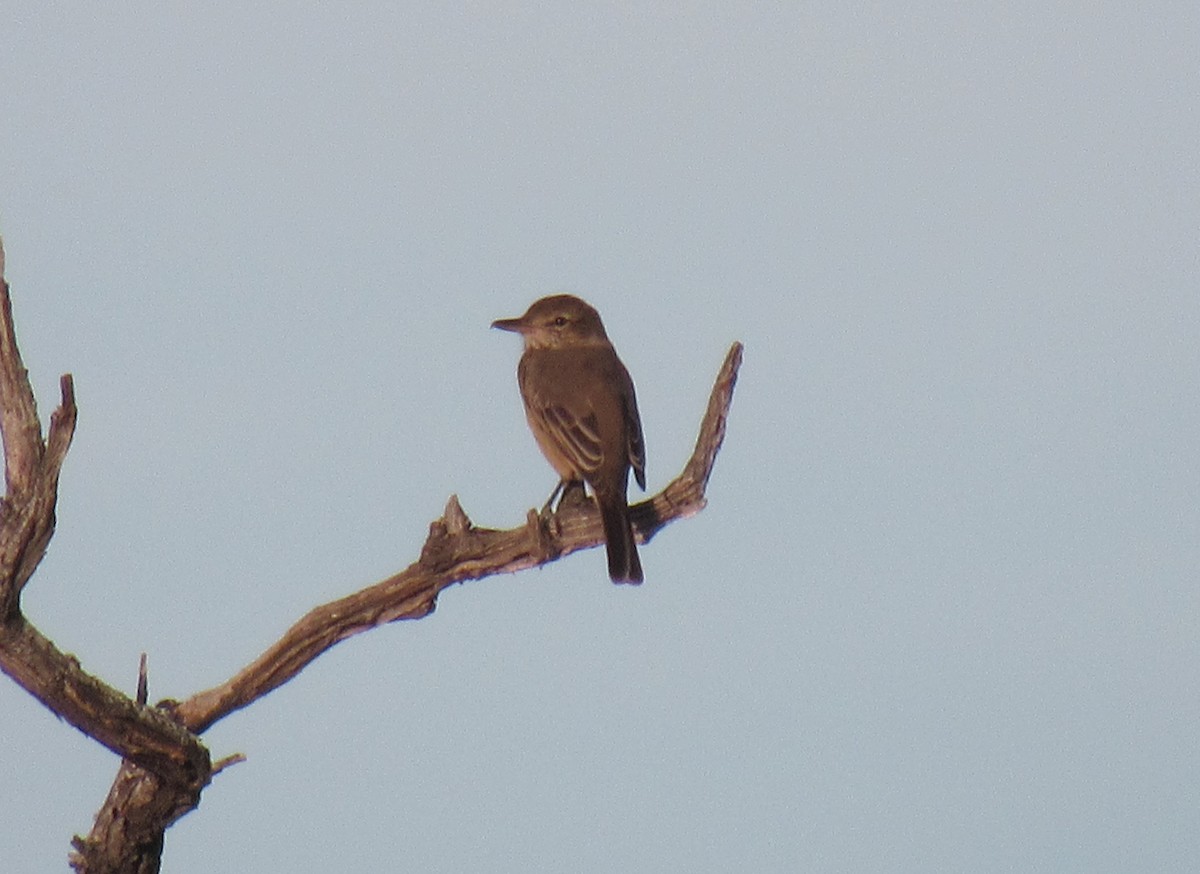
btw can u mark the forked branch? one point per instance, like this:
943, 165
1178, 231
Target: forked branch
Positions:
164, 765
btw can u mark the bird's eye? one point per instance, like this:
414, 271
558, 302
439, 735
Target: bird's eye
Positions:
560, 321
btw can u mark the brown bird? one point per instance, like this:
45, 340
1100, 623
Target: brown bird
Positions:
581, 408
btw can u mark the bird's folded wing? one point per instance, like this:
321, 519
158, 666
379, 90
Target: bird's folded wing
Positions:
577, 438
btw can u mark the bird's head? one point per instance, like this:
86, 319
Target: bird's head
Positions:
557, 321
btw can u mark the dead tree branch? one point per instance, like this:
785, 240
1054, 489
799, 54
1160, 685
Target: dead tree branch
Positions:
456, 551
164, 765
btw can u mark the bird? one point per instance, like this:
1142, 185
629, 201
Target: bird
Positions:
581, 407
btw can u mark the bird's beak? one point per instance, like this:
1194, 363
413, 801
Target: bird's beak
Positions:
509, 325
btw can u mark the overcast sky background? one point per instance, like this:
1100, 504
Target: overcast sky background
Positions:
942, 611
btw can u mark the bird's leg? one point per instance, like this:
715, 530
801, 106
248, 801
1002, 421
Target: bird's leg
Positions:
566, 491
545, 514
573, 495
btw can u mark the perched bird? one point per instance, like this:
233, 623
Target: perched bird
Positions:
581, 408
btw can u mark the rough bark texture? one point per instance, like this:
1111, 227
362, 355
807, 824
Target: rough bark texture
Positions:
164, 765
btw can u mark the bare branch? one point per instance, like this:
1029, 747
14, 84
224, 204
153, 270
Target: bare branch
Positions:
164, 766
31, 468
22, 433
142, 734
143, 686
127, 837
155, 748
228, 761
456, 551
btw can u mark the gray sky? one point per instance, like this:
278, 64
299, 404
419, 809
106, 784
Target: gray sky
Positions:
942, 612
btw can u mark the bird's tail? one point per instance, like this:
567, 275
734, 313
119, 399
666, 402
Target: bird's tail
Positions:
623, 563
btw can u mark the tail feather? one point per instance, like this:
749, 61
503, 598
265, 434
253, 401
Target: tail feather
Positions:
623, 563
